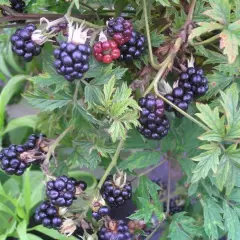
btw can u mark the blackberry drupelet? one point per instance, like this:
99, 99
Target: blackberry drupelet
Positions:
47, 215
114, 230
101, 212
120, 30
115, 191
154, 124
176, 205
194, 82
61, 192
23, 45
72, 60
134, 48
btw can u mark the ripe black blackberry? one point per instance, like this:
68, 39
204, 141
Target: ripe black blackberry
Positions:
23, 45
47, 215
61, 192
114, 230
72, 57
102, 211
176, 205
16, 5
163, 185
17, 158
116, 190
154, 124
119, 29
193, 81
134, 48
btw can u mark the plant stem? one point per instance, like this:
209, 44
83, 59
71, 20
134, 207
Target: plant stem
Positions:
90, 8
149, 237
75, 96
168, 188
112, 164
153, 64
91, 25
209, 40
55, 144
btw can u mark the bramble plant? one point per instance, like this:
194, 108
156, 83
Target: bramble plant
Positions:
137, 104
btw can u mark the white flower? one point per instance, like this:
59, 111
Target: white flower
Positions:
68, 227
38, 37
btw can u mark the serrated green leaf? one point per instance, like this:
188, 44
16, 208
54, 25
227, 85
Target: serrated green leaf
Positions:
156, 39
166, 3
207, 161
212, 217
183, 228
139, 160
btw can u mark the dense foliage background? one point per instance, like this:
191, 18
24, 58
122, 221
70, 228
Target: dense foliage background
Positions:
93, 123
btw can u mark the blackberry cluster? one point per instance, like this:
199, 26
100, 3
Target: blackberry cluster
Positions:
22, 44
194, 82
16, 5
61, 191
114, 230
134, 48
120, 30
176, 205
47, 215
72, 60
114, 195
11, 161
154, 124
101, 212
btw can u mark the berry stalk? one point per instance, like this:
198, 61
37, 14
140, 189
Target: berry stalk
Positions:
112, 164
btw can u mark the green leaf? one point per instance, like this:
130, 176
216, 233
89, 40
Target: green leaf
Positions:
8, 91
22, 230
27, 192
33, 237
139, 160
207, 161
183, 228
232, 112
166, 3
212, 119
231, 221
212, 217
235, 195
156, 39
26, 121
220, 11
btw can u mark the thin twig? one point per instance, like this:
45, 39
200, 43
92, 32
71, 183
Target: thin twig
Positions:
90, 8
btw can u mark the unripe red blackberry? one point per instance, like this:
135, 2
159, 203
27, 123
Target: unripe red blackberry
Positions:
72, 57
23, 45
114, 229
134, 48
120, 30
154, 124
116, 190
47, 214
61, 192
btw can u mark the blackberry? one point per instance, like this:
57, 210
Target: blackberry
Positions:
114, 230
72, 60
120, 30
101, 212
61, 192
116, 190
17, 6
134, 48
176, 205
154, 124
47, 215
194, 82
23, 45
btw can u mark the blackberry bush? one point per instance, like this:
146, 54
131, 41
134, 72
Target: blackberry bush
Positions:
116, 190
47, 214
134, 48
114, 230
154, 124
61, 192
120, 29
23, 45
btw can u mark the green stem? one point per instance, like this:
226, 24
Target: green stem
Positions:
112, 164
75, 96
69, 11
55, 144
91, 25
153, 64
207, 41
90, 8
